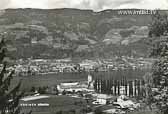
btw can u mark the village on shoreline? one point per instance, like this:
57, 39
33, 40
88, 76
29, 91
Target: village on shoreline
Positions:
31, 67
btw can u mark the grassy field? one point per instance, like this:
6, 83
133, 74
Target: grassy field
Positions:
56, 103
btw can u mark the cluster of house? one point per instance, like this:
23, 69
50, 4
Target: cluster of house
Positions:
120, 102
121, 105
42, 66
45, 66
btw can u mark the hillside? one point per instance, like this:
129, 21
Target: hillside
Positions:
61, 33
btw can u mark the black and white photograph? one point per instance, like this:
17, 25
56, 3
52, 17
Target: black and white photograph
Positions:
83, 56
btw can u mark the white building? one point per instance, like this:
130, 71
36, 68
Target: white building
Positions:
103, 98
77, 86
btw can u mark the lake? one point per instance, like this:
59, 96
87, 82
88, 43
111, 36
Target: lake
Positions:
54, 79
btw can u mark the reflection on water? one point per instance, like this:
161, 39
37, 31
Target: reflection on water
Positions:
119, 74
54, 79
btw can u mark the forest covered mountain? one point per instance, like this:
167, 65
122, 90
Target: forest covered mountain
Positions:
62, 33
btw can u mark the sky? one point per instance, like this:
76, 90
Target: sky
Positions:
96, 5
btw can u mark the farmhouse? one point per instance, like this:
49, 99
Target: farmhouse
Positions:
104, 98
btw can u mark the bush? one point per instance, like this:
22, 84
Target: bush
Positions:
33, 89
98, 111
42, 90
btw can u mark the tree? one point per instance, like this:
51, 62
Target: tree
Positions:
42, 90
148, 79
64, 92
59, 112
159, 25
72, 111
33, 89
159, 87
9, 98
98, 111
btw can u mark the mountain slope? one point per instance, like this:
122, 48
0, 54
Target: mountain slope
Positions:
61, 33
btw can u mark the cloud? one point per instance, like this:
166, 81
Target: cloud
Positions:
96, 5
4, 4
147, 4
109, 4
29, 4
89, 4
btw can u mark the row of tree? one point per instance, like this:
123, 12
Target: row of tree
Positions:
118, 87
